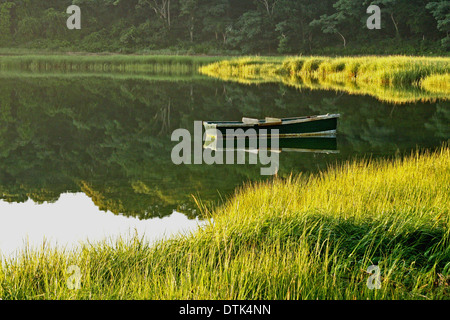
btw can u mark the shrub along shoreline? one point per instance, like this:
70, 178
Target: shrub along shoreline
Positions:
300, 238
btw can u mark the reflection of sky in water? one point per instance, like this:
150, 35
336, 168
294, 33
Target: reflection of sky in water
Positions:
73, 219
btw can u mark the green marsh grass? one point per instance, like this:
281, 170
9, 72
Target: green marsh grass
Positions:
397, 79
437, 83
304, 237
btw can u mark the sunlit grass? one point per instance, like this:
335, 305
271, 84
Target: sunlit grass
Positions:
299, 238
396, 79
437, 83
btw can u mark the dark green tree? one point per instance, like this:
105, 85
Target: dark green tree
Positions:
441, 12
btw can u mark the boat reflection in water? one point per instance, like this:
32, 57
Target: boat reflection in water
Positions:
327, 145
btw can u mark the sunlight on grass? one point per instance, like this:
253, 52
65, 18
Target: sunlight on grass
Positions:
396, 79
298, 238
438, 83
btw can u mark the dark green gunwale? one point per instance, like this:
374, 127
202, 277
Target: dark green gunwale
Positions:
321, 125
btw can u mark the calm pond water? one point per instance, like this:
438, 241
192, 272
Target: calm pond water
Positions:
85, 157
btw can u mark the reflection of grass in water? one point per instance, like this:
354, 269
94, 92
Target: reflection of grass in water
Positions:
392, 94
439, 84
105, 63
392, 79
300, 238
106, 75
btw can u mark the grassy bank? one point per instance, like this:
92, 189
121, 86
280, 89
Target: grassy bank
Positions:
105, 63
396, 79
301, 238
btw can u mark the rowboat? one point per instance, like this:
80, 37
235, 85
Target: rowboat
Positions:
311, 126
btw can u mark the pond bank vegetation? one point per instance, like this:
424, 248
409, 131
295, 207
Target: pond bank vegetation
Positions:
396, 79
298, 238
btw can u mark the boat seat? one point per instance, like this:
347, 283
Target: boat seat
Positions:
273, 120
250, 121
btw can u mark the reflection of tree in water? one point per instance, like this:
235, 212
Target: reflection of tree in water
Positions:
440, 122
379, 127
111, 138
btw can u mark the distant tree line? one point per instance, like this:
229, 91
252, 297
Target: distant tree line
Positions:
233, 26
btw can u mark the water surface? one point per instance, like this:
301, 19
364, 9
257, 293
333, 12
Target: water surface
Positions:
93, 145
